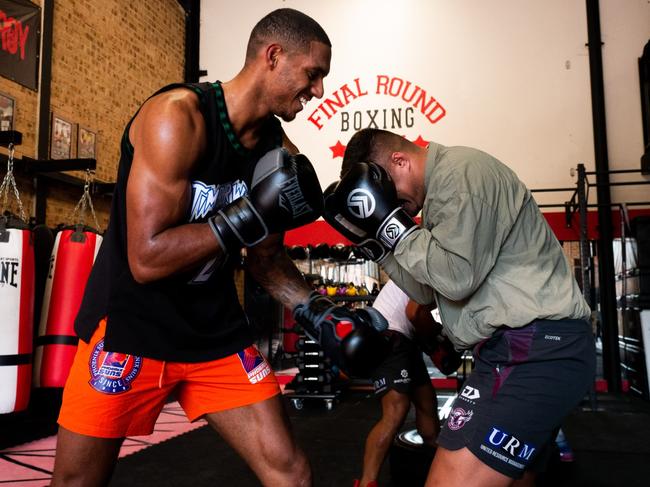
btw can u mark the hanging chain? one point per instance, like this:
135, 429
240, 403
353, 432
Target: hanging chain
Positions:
9, 182
79, 212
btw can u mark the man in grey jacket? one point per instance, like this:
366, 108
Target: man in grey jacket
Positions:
503, 286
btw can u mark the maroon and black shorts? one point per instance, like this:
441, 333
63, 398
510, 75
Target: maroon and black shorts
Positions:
525, 382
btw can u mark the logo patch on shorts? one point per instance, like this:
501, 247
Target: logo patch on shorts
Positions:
458, 417
405, 379
470, 394
112, 372
507, 448
255, 366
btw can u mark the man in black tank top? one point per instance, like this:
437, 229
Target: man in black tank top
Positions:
160, 313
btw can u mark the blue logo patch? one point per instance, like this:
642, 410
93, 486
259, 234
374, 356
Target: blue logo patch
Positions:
255, 366
507, 448
112, 372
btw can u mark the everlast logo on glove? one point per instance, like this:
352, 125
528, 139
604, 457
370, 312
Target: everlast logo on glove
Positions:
292, 200
284, 194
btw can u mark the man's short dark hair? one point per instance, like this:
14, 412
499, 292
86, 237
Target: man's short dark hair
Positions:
371, 145
288, 26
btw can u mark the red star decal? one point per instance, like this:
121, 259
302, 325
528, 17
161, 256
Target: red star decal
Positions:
420, 141
337, 150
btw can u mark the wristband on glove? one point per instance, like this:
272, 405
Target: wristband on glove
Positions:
373, 250
238, 225
319, 310
397, 226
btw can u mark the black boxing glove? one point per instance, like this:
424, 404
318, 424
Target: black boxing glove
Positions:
443, 354
352, 339
370, 248
285, 194
364, 203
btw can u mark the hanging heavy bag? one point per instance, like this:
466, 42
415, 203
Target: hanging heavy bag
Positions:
16, 301
72, 258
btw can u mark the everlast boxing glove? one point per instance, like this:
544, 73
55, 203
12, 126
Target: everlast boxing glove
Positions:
364, 203
352, 339
285, 194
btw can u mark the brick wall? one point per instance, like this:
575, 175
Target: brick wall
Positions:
108, 57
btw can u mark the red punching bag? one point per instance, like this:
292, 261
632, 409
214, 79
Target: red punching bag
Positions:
17, 309
73, 255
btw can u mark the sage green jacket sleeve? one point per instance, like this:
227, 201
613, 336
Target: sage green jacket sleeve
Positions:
486, 250
455, 256
418, 292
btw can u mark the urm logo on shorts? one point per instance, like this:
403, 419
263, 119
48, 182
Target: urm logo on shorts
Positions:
510, 444
111, 372
255, 366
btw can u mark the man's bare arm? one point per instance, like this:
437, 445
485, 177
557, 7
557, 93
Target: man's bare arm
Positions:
274, 270
423, 323
168, 136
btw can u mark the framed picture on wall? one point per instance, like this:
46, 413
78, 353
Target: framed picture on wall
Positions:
86, 143
61, 138
7, 110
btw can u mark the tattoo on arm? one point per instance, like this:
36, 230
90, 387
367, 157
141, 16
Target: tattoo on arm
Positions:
277, 273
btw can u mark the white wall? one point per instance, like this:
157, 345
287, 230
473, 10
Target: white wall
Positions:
510, 76
625, 29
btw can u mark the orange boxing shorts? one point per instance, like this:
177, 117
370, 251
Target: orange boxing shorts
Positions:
114, 395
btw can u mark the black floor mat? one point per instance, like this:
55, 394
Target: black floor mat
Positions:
611, 449
333, 441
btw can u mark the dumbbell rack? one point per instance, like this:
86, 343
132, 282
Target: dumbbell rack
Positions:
315, 379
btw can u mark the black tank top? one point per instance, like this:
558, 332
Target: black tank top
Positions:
189, 317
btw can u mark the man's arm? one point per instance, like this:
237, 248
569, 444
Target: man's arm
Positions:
168, 136
422, 320
351, 339
455, 256
274, 270
429, 334
421, 293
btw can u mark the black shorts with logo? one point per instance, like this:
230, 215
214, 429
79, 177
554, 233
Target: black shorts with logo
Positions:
525, 382
403, 369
